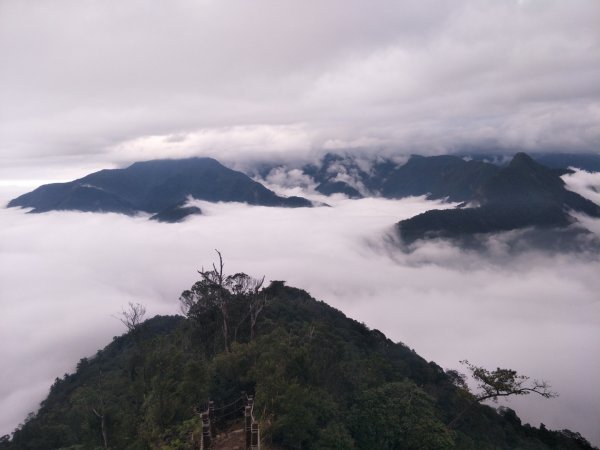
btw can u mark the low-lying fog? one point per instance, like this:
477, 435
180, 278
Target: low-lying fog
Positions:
62, 276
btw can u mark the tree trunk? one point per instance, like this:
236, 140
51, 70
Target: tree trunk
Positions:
102, 418
103, 426
253, 319
225, 327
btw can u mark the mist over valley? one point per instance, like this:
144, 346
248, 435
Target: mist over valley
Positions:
494, 307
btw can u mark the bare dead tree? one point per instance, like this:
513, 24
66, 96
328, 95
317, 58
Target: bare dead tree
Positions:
133, 316
216, 277
102, 425
100, 411
493, 384
248, 288
257, 303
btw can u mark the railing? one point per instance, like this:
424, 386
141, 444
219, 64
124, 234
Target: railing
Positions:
251, 426
213, 417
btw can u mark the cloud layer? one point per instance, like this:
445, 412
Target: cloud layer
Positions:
64, 274
106, 82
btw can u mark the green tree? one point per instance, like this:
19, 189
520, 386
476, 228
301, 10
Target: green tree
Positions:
399, 415
209, 293
492, 384
234, 298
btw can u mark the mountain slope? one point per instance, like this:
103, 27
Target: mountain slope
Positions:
153, 186
73, 196
176, 213
522, 194
455, 177
438, 177
443, 176
338, 174
589, 162
320, 379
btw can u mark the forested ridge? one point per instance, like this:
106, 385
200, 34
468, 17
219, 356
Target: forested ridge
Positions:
320, 381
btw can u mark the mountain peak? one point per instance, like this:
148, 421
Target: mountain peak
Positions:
520, 195
156, 186
523, 160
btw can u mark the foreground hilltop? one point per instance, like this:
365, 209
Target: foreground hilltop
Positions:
160, 187
320, 380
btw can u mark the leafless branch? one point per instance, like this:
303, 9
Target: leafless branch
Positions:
133, 316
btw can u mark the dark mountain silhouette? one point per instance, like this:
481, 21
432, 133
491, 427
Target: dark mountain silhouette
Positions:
589, 162
444, 176
338, 187
527, 182
455, 177
176, 213
153, 187
522, 194
437, 177
73, 196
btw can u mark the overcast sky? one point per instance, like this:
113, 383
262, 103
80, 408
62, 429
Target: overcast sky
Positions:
90, 84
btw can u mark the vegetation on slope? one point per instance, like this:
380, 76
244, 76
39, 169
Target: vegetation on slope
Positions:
320, 379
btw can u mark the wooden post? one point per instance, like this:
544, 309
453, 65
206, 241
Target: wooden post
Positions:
206, 437
211, 417
254, 441
248, 425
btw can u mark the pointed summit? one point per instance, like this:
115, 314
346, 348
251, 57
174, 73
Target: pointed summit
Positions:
157, 186
522, 194
522, 158
524, 181
524, 162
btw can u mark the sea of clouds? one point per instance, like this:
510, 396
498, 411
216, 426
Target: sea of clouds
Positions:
63, 275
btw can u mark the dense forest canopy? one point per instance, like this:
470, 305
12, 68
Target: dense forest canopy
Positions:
320, 381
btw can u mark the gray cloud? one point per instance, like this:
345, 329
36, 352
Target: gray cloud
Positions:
64, 274
108, 82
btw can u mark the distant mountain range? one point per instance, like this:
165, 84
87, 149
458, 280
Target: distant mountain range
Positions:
522, 194
495, 194
160, 187
452, 177
589, 162
494, 197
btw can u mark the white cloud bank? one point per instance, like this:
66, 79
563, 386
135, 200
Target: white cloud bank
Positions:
62, 275
584, 183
